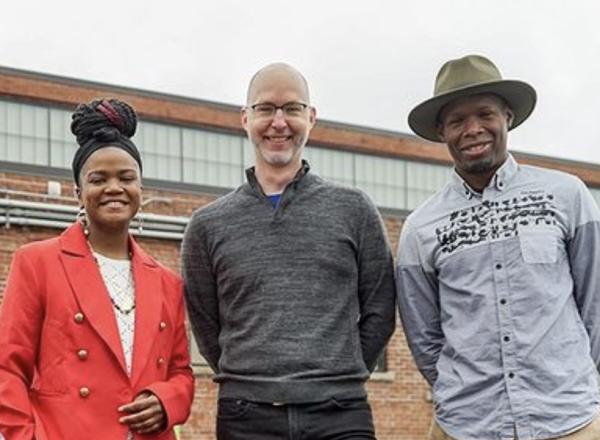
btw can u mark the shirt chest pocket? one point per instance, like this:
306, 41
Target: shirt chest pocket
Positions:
539, 245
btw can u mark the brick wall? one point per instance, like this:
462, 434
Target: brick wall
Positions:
399, 397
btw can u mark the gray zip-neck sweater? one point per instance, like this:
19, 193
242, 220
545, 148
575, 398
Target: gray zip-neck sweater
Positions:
292, 304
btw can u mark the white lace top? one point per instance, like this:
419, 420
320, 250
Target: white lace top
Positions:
118, 279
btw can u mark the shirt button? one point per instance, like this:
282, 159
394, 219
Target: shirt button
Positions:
84, 392
162, 325
502, 301
500, 184
82, 354
498, 266
511, 375
506, 338
78, 317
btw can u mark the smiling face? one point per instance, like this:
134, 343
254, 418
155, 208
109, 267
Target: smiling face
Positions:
279, 138
110, 189
475, 129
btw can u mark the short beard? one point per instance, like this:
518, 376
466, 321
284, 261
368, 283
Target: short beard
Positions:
482, 166
487, 164
279, 159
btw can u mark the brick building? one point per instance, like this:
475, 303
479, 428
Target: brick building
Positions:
194, 151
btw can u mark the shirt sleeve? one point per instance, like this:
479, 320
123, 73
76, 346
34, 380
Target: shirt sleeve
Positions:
418, 302
21, 319
377, 290
584, 258
200, 290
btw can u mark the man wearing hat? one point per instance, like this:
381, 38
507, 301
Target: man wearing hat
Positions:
499, 274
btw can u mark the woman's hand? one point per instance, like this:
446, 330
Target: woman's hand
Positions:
146, 414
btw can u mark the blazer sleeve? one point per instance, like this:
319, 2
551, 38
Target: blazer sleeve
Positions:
177, 392
21, 319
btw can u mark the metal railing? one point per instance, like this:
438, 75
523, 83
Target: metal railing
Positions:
17, 209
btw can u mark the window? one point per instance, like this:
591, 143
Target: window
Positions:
424, 180
23, 133
211, 158
336, 166
160, 147
41, 135
383, 179
62, 141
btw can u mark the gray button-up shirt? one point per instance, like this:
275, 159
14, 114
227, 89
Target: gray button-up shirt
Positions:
499, 294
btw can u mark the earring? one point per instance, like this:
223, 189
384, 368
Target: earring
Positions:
140, 221
82, 218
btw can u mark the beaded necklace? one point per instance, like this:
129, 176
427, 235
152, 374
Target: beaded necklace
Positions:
115, 283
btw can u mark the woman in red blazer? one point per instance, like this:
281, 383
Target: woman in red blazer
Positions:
92, 335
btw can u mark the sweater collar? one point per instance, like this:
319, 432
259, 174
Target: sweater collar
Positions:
253, 181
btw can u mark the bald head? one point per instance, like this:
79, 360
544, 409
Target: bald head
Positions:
276, 74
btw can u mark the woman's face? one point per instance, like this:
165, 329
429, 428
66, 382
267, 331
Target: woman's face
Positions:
111, 188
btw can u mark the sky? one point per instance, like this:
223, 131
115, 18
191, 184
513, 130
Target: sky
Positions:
367, 62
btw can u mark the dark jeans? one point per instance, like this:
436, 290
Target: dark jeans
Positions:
334, 419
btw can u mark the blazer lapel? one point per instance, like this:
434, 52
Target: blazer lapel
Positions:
89, 289
148, 308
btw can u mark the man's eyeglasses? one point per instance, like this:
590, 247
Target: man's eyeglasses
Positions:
289, 109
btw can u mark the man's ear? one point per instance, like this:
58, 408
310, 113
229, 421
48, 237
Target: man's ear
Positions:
440, 131
312, 116
510, 117
244, 116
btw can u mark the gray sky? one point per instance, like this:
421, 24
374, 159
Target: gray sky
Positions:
367, 62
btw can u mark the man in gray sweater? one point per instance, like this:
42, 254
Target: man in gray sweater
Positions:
289, 283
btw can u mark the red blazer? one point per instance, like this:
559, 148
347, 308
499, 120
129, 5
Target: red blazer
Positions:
62, 368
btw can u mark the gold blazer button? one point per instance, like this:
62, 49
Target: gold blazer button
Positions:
162, 325
78, 317
82, 354
84, 392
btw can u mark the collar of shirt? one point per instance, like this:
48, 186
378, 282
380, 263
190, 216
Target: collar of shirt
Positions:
499, 181
253, 181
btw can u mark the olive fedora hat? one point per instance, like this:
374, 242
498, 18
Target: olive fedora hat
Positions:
467, 76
